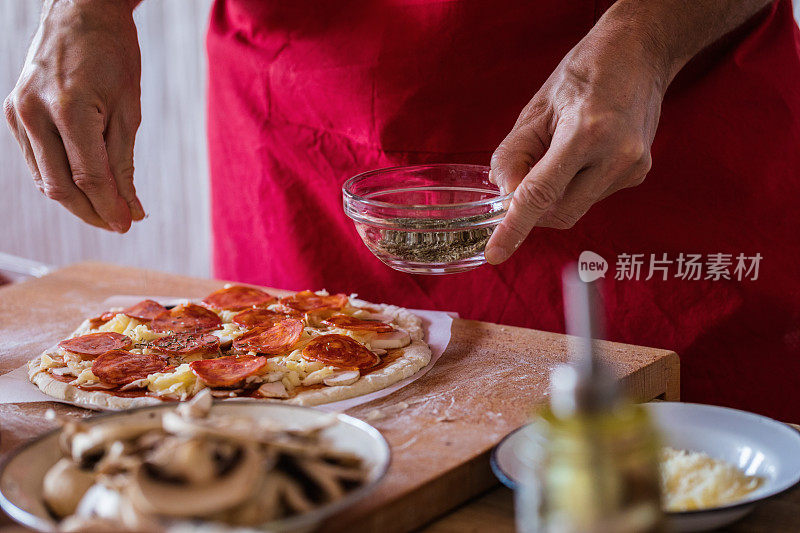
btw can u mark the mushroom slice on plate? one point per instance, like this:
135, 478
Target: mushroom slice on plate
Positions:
328, 483
100, 436
155, 496
293, 495
150, 471
264, 505
64, 485
192, 461
233, 429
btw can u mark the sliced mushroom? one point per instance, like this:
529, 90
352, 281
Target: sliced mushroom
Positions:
189, 464
264, 506
310, 449
275, 389
234, 429
346, 377
64, 485
230, 393
102, 505
293, 495
325, 479
99, 436
154, 496
226, 338
391, 340
82, 524
71, 428
369, 315
117, 459
197, 407
190, 460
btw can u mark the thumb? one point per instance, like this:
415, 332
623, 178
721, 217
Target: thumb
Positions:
120, 137
543, 186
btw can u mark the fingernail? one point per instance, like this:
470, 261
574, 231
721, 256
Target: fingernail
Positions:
496, 255
137, 212
119, 228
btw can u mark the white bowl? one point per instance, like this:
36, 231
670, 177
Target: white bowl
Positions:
756, 444
22, 473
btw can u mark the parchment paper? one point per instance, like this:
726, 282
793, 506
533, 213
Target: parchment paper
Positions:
16, 388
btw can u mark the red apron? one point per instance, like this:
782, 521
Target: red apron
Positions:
305, 94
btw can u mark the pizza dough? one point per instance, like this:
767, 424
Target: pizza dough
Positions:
271, 367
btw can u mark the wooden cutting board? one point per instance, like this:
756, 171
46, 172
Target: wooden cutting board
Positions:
441, 428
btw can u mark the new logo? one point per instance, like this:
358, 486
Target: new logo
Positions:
591, 266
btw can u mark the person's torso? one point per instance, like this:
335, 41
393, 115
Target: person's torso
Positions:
304, 95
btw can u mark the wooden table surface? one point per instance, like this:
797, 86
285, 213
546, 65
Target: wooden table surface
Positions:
494, 511
441, 428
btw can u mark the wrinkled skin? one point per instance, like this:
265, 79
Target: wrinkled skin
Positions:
587, 132
585, 135
76, 108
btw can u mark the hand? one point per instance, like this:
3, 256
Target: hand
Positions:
76, 108
585, 135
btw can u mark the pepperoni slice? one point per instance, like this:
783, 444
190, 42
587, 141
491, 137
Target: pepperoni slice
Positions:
119, 367
227, 371
288, 311
146, 310
340, 351
237, 298
188, 318
308, 301
94, 344
186, 344
272, 340
357, 324
98, 321
252, 318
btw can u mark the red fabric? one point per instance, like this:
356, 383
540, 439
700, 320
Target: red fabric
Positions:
305, 94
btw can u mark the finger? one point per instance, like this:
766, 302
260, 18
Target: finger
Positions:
30, 159
81, 131
585, 189
510, 163
17, 129
514, 158
634, 177
119, 144
589, 187
543, 186
57, 183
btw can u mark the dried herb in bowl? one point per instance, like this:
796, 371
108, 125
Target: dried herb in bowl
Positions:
435, 240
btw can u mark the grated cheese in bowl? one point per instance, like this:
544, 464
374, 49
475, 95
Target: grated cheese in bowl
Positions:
693, 480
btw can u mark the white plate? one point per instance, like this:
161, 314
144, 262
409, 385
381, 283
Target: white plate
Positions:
22, 473
756, 444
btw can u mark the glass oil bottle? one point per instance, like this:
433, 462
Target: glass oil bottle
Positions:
591, 456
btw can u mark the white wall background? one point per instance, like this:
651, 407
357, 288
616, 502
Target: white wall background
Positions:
171, 165
170, 157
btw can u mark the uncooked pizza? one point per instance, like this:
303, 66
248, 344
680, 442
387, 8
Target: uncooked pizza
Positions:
240, 342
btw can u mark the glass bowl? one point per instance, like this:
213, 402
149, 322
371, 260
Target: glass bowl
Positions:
426, 219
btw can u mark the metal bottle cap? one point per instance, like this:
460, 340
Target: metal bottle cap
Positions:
585, 384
